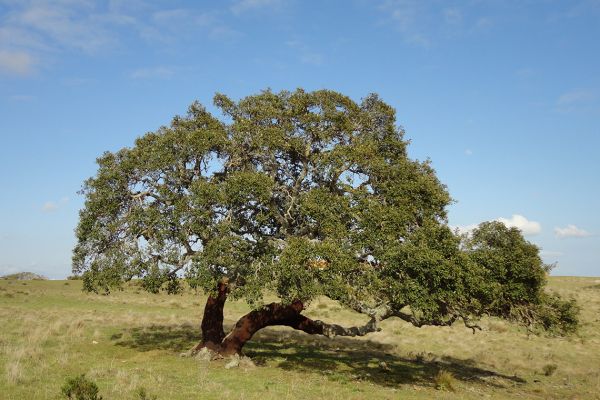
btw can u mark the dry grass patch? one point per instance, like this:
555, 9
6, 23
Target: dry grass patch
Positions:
444, 380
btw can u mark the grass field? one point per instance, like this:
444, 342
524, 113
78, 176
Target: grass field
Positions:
50, 331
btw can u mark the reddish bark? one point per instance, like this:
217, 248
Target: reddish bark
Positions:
213, 336
249, 324
212, 321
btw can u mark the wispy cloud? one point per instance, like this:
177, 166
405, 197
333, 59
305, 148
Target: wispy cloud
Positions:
575, 9
242, 6
576, 96
73, 24
405, 15
160, 72
16, 62
22, 97
306, 54
32, 31
453, 16
483, 23
526, 226
52, 206
425, 24
180, 21
576, 100
570, 231
312, 58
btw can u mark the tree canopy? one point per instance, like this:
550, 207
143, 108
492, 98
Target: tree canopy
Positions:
302, 194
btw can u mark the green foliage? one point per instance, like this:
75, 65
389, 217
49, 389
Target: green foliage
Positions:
304, 194
514, 279
556, 315
80, 388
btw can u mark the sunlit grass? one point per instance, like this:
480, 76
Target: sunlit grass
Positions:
126, 341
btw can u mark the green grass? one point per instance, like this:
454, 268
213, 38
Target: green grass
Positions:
52, 331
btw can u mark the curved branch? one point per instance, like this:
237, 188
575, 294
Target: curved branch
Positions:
285, 315
318, 327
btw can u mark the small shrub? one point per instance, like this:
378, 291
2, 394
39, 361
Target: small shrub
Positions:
558, 316
549, 369
143, 395
444, 380
80, 388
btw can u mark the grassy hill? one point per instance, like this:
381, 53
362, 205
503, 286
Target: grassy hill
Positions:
24, 276
51, 331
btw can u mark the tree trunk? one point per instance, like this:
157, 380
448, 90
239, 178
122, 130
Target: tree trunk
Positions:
270, 315
212, 321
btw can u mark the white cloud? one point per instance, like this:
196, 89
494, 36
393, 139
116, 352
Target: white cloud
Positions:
72, 24
32, 30
242, 6
51, 206
16, 62
468, 152
570, 231
520, 222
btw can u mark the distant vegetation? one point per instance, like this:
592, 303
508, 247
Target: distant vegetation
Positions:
24, 276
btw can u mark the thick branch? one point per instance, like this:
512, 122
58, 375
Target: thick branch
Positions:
286, 315
331, 330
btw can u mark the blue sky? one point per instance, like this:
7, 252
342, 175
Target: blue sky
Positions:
502, 96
